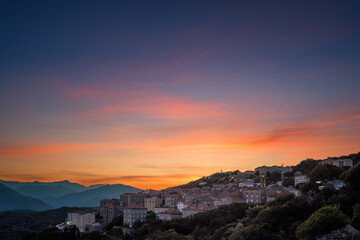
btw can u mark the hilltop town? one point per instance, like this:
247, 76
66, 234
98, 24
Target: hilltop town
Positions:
262, 185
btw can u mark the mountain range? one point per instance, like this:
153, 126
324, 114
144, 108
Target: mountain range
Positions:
46, 195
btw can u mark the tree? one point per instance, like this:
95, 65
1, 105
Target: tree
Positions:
169, 235
306, 166
325, 172
352, 177
289, 182
273, 177
356, 217
322, 221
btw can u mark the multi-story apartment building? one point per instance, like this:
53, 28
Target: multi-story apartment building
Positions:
130, 199
80, 219
252, 195
133, 214
152, 203
338, 162
109, 209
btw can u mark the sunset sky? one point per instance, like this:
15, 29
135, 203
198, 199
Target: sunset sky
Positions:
154, 94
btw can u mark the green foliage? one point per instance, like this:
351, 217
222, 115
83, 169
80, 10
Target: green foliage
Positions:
289, 182
169, 235
216, 178
355, 222
14, 224
321, 222
325, 172
352, 177
306, 166
117, 221
273, 177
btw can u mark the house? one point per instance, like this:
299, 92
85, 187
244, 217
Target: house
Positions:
161, 209
248, 183
193, 210
171, 200
182, 204
133, 214
253, 195
301, 179
80, 219
109, 209
152, 202
169, 214
338, 162
218, 188
131, 199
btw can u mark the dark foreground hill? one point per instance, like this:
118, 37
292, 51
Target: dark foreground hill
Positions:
13, 224
10, 200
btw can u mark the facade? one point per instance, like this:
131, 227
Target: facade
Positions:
131, 199
301, 179
182, 204
252, 195
338, 162
247, 183
169, 214
264, 169
172, 200
152, 203
80, 219
133, 214
193, 210
109, 209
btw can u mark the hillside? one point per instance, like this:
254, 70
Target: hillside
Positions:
216, 178
91, 198
13, 224
43, 190
10, 199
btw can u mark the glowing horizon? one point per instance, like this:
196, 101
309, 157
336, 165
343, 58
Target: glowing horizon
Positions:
154, 95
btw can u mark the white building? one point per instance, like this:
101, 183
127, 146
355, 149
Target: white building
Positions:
338, 162
301, 179
182, 204
80, 219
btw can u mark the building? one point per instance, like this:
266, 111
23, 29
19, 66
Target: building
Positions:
253, 195
247, 183
193, 210
301, 179
338, 162
131, 199
80, 219
160, 209
182, 204
169, 214
265, 169
172, 200
152, 203
109, 209
133, 214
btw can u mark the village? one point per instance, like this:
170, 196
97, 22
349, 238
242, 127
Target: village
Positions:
248, 187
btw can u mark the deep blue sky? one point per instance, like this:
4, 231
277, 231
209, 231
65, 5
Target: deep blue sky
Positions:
168, 82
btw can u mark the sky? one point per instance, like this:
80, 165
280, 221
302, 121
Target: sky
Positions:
155, 94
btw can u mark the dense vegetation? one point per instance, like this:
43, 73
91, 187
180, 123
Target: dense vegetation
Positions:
13, 224
216, 178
